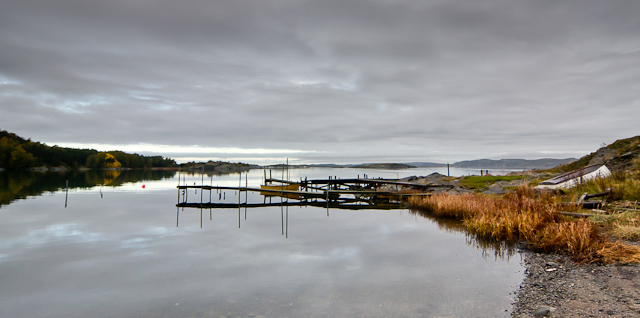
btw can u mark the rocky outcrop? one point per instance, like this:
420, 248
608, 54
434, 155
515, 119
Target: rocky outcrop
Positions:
602, 156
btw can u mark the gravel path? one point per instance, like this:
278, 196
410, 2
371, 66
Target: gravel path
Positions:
575, 290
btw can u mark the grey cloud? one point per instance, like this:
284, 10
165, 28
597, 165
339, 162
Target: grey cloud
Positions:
384, 79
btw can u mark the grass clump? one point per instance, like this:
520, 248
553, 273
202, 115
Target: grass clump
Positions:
617, 252
623, 225
578, 238
524, 215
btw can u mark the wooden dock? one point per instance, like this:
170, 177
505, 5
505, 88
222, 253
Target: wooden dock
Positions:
353, 194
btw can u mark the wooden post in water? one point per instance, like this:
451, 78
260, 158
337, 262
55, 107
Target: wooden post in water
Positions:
239, 196
282, 185
327, 203
178, 196
246, 193
66, 196
448, 174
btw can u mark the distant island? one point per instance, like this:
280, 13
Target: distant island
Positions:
391, 166
218, 167
511, 164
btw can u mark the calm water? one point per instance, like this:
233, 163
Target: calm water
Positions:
115, 251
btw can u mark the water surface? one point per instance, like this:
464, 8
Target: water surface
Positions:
115, 251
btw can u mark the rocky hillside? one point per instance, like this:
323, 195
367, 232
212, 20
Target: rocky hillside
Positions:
620, 156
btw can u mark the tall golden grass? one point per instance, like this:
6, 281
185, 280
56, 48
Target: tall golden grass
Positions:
523, 215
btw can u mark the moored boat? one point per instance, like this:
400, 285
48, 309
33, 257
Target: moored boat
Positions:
281, 187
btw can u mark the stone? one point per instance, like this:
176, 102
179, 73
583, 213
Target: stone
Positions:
495, 189
543, 311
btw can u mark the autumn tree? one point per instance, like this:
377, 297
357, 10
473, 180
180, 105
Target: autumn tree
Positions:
111, 162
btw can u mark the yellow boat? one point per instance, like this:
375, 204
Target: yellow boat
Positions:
281, 187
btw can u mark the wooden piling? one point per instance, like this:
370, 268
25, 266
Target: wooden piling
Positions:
66, 196
201, 192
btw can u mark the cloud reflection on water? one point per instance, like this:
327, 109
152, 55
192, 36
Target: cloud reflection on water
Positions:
122, 255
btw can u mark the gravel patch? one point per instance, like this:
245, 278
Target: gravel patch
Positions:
555, 286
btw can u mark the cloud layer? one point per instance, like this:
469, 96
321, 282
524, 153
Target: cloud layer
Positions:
336, 81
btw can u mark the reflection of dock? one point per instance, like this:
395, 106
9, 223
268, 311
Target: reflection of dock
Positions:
344, 205
332, 193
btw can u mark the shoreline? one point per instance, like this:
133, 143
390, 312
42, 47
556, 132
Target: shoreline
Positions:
576, 290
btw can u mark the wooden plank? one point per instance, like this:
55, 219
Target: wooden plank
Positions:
582, 197
599, 194
360, 181
574, 214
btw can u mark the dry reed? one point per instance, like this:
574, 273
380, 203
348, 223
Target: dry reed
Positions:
523, 215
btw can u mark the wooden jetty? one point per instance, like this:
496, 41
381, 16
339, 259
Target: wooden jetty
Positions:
355, 194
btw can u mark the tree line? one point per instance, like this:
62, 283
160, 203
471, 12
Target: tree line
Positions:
19, 153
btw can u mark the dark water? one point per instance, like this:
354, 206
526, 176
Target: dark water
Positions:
115, 251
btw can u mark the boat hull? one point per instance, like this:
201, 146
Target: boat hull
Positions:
281, 187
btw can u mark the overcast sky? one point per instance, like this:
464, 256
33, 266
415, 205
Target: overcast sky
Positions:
322, 81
